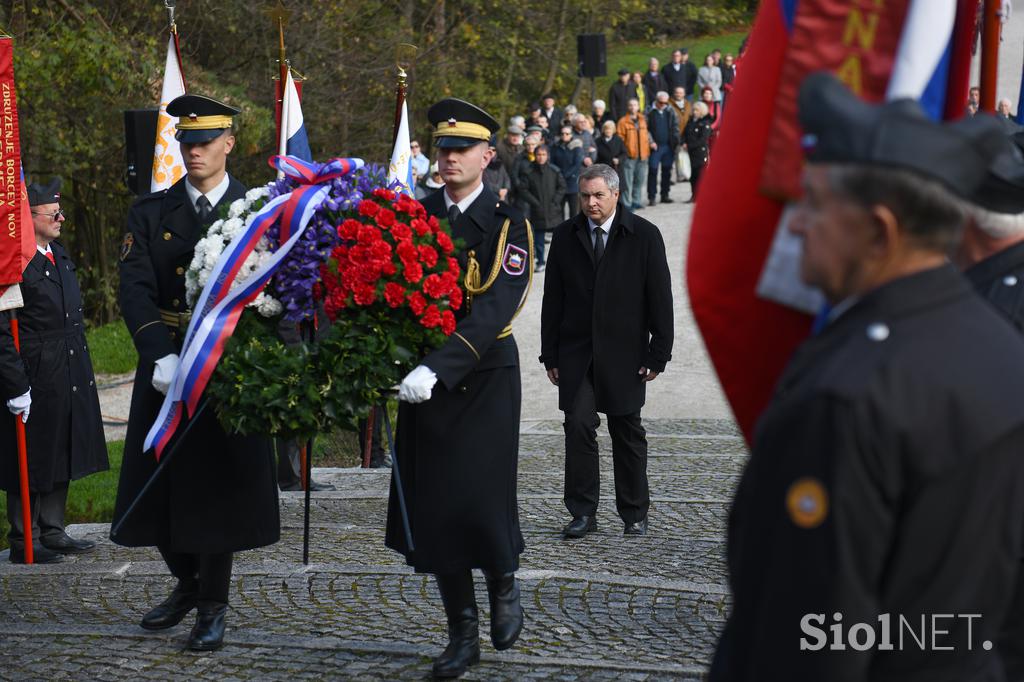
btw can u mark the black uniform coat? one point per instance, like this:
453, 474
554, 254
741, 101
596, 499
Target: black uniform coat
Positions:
618, 317
886, 477
458, 452
64, 432
219, 494
1000, 279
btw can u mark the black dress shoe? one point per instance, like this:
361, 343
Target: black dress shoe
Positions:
666, 200
65, 544
40, 555
172, 610
652, 201
580, 526
506, 611
636, 528
463, 650
316, 485
208, 632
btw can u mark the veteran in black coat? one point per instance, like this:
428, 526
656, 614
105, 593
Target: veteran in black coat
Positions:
458, 422
219, 494
885, 481
64, 432
606, 330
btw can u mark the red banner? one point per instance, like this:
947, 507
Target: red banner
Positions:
279, 101
16, 234
857, 41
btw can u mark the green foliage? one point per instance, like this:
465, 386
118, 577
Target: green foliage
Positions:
111, 349
90, 499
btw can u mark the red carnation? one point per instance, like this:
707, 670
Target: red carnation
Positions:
413, 272
394, 294
445, 242
349, 229
421, 227
455, 298
386, 218
368, 208
435, 286
447, 322
432, 317
383, 193
432, 222
417, 302
407, 252
453, 266
389, 269
401, 231
428, 255
368, 234
365, 294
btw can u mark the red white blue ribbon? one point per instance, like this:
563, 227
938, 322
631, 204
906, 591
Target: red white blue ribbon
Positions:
220, 306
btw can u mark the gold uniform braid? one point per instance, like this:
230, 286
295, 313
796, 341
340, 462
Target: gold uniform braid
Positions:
471, 280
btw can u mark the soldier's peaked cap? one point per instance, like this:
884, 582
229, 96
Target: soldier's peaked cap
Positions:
44, 194
200, 118
843, 129
460, 124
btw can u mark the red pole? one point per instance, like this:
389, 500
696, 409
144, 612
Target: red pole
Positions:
302, 465
991, 27
19, 429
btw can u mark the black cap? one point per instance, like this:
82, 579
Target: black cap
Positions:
1003, 188
841, 128
460, 124
624, 71
44, 194
200, 118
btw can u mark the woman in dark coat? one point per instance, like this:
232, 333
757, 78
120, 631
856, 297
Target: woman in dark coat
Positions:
696, 137
611, 150
542, 187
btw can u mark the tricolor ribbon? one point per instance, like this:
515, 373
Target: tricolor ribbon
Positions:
220, 306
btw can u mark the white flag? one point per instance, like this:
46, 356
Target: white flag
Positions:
168, 166
400, 169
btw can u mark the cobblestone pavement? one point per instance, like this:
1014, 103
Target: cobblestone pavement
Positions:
604, 608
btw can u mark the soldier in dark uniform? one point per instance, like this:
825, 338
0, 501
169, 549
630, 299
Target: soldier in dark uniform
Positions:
219, 494
52, 378
458, 422
992, 255
886, 475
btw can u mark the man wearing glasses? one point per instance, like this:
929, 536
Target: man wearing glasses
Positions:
52, 378
420, 163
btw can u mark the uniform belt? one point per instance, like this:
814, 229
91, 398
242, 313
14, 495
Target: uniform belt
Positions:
507, 331
175, 319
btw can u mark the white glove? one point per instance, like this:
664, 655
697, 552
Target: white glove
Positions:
417, 384
164, 371
21, 404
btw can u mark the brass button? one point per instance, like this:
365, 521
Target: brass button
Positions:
74, 389
463, 388
175, 303
180, 270
167, 236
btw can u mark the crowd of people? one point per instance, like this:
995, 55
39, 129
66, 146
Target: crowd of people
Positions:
655, 129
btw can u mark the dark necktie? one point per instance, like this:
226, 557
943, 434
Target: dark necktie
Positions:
204, 207
598, 244
453, 214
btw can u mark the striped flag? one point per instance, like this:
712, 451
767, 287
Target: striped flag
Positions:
294, 141
168, 166
400, 168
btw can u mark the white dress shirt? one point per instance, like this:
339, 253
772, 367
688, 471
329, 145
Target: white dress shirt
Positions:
606, 226
213, 196
465, 203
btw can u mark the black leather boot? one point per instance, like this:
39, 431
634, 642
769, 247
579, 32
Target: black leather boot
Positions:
208, 632
506, 611
463, 648
173, 609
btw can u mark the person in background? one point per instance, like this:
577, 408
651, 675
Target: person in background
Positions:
696, 138
663, 129
619, 94
430, 183
601, 113
420, 162
728, 68
677, 71
554, 114
632, 128
641, 91
973, 100
542, 187
710, 76
583, 130
495, 176
683, 109
51, 377
653, 81
567, 156
509, 147
611, 151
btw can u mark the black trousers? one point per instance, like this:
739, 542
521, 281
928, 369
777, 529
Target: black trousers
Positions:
209, 573
47, 515
582, 464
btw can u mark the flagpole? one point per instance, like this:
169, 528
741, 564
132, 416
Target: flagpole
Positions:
404, 54
19, 431
173, 27
991, 28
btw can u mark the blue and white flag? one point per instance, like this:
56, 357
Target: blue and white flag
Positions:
400, 168
921, 69
294, 141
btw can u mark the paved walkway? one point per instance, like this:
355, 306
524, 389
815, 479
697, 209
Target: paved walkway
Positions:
608, 607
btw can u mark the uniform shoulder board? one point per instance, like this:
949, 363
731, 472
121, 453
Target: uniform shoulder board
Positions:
152, 196
510, 212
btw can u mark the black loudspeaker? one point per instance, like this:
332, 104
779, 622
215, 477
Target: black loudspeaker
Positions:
591, 54
140, 141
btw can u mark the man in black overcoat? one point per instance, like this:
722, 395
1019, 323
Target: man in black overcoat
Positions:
219, 494
458, 419
885, 482
991, 254
606, 331
52, 379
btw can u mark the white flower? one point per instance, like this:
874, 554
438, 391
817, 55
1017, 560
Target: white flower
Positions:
267, 306
256, 193
237, 208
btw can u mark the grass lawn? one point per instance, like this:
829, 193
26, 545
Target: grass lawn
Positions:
634, 56
111, 349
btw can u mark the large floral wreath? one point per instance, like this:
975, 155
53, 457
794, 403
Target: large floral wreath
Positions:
371, 286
